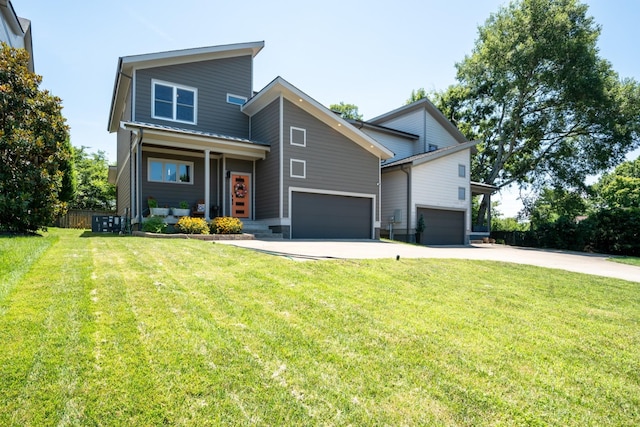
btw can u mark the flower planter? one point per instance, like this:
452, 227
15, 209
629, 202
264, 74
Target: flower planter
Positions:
180, 212
159, 211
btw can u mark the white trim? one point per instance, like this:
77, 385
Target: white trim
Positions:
253, 192
174, 101
304, 168
133, 96
374, 224
164, 162
304, 136
223, 185
207, 184
230, 95
281, 152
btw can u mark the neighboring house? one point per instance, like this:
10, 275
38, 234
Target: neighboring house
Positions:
429, 176
191, 128
15, 31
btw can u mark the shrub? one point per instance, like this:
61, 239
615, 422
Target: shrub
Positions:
226, 225
190, 225
154, 224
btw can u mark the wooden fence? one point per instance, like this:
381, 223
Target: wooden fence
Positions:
79, 218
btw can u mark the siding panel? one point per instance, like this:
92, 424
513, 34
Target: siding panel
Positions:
213, 80
334, 162
265, 127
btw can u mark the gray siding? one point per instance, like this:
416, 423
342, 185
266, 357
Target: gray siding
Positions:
123, 183
333, 161
171, 195
265, 127
213, 80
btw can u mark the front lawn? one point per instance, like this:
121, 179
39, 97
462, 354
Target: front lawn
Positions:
107, 330
626, 260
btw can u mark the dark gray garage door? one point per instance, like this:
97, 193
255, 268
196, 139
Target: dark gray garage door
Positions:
442, 227
323, 216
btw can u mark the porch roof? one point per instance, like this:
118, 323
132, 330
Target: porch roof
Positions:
431, 155
175, 137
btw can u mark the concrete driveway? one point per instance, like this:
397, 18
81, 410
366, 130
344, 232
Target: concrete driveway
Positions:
367, 249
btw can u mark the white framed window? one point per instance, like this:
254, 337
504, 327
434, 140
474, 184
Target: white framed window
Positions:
169, 171
462, 171
236, 99
174, 102
298, 136
462, 193
297, 168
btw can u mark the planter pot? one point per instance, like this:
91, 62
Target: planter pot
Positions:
159, 211
180, 212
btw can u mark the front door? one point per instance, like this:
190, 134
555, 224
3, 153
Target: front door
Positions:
240, 195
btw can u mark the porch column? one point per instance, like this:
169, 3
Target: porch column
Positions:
207, 184
489, 214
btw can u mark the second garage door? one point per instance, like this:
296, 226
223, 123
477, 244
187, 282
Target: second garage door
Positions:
325, 216
443, 227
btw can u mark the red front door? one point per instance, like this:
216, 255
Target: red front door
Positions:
240, 196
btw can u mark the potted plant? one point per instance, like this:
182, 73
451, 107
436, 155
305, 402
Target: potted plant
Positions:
183, 210
420, 229
154, 209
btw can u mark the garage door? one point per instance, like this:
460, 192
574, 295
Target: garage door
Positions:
443, 227
324, 216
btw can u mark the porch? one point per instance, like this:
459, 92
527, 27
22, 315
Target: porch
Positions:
481, 221
209, 174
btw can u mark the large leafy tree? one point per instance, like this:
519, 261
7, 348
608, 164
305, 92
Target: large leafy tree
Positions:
620, 188
547, 110
34, 148
347, 111
94, 190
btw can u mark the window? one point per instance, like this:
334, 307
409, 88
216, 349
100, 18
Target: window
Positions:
462, 193
174, 102
297, 168
462, 171
170, 171
298, 136
235, 99
432, 147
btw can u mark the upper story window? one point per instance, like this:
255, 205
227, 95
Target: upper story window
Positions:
432, 147
174, 102
298, 136
462, 171
236, 99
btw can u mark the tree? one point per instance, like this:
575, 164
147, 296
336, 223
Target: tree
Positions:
416, 95
552, 204
34, 152
94, 190
620, 188
347, 111
545, 108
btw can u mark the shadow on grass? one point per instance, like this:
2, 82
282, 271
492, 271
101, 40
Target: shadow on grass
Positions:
88, 233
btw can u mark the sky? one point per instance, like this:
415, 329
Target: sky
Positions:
368, 53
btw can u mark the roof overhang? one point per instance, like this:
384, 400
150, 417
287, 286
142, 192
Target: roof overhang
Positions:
481, 188
190, 140
127, 64
419, 159
280, 87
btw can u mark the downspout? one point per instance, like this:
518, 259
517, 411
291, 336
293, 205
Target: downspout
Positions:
408, 201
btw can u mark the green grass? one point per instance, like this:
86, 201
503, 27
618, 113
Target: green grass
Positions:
103, 330
626, 260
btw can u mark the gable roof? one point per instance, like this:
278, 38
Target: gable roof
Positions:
19, 28
126, 65
423, 103
418, 159
280, 87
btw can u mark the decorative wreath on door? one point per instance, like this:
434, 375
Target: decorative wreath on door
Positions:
240, 190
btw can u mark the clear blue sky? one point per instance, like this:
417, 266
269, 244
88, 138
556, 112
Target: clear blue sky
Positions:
368, 53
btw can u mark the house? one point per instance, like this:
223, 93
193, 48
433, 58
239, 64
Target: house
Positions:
15, 31
190, 127
429, 176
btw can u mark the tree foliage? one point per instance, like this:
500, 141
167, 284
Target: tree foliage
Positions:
34, 149
347, 111
620, 188
545, 107
93, 188
416, 95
